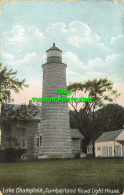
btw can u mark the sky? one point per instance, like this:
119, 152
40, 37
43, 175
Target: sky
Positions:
90, 34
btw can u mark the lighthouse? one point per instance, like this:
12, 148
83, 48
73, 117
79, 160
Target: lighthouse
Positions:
54, 127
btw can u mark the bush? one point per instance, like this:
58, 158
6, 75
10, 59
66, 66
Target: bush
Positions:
11, 154
90, 156
77, 155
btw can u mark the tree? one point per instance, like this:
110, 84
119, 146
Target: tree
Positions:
109, 118
101, 91
8, 82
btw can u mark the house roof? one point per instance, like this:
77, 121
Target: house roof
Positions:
75, 133
109, 136
15, 106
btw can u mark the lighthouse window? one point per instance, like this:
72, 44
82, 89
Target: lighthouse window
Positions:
38, 127
40, 140
37, 142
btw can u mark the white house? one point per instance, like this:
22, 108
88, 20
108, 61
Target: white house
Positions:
76, 138
110, 144
90, 148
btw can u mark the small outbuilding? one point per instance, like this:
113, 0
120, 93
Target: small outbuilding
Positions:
110, 144
76, 138
90, 148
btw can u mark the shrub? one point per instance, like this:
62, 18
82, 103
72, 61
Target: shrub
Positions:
11, 154
77, 155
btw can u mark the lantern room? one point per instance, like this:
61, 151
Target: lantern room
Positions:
54, 54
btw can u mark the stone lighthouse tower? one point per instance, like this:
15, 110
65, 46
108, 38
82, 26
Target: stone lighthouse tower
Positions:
55, 128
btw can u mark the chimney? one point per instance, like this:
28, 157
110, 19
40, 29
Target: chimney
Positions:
30, 102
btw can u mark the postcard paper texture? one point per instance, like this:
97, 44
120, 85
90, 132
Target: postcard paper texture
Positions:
62, 48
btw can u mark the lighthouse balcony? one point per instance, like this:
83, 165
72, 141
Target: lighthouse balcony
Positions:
54, 60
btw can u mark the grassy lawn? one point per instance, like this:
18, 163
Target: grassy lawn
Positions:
74, 173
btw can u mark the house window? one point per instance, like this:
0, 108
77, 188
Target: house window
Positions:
38, 127
24, 143
105, 151
76, 144
23, 157
98, 148
110, 151
40, 140
37, 142
117, 151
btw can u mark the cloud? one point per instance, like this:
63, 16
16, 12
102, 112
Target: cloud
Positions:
76, 34
80, 35
8, 59
111, 59
80, 32
28, 66
35, 32
70, 72
107, 65
72, 60
76, 41
117, 43
57, 27
21, 34
8, 56
115, 40
94, 67
86, 55
93, 75
28, 60
78, 27
111, 66
75, 67
95, 63
17, 34
99, 63
56, 32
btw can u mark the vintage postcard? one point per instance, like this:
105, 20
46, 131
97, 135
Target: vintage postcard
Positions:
62, 97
